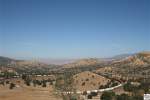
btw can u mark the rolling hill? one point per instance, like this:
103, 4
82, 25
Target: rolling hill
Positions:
89, 81
6, 60
137, 65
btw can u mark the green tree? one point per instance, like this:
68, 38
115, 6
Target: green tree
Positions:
27, 82
128, 87
123, 97
108, 96
145, 86
12, 85
43, 83
24, 76
89, 96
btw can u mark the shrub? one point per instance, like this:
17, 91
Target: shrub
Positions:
94, 93
7, 82
44, 83
12, 85
24, 77
84, 93
83, 83
87, 79
89, 96
38, 82
27, 82
114, 84
92, 76
101, 87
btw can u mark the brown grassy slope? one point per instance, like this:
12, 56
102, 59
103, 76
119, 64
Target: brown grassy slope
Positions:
88, 81
27, 93
137, 64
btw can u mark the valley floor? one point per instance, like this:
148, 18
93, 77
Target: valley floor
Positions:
27, 93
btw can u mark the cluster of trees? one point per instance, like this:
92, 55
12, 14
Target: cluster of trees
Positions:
145, 86
11, 85
128, 87
132, 88
42, 83
7, 74
91, 95
108, 96
35, 82
112, 96
112, 83
71, 97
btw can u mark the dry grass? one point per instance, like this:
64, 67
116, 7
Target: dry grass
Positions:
89, 81
27, 93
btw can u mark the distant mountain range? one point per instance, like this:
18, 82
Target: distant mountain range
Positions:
6, 60
139, 59
57, 61
126, 65
66, 62
121, 56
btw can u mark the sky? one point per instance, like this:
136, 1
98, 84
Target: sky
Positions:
73, 28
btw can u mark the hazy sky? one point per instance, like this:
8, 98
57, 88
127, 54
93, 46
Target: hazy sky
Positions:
73, 28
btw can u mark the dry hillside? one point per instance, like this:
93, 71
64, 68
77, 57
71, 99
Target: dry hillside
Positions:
137, 65
89, 81
82, 63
